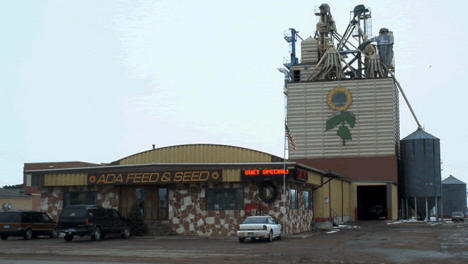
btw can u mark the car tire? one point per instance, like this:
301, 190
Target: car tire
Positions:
241, 239
279, 237
270, 237
4, 237
28, 235
125, 233
54, 234
68, 238
97, 234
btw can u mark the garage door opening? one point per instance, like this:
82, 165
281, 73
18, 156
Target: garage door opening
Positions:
372, 202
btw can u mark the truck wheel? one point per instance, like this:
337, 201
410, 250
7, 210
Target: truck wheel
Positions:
54, 234
97, 234
28, 234
68, 238
241, 239
4, 237
125, 233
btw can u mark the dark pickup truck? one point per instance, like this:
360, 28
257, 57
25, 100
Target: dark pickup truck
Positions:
91, 220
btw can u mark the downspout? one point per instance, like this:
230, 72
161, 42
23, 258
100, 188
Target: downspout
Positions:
342, 202
329, 202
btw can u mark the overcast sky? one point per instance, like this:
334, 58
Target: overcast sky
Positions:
99, 80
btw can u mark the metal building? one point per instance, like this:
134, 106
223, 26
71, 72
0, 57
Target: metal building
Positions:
342, 109
453, 196
420, 180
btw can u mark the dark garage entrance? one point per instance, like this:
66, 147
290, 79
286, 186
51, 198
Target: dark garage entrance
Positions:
372, 202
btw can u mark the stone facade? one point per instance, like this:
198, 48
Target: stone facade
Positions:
188, 214
187, 207
52, 197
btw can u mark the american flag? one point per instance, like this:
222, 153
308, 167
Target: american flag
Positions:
290, 137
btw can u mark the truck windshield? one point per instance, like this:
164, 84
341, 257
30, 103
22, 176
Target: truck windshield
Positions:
10, 217
255, 220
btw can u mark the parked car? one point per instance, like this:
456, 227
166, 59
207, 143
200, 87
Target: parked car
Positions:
92, 220
259, 227
458, 216
28, 224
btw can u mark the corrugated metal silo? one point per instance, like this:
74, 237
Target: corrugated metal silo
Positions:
453, 196
419, 179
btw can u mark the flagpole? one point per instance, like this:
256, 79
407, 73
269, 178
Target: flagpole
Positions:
286, 132
284, 159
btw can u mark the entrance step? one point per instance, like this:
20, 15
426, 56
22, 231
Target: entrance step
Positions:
159, 228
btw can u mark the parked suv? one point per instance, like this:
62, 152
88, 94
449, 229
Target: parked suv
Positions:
91, 220
27, 224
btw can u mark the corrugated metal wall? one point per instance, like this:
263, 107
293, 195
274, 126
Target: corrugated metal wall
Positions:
309, 51
321, 209
375, 105
394, 202
202, 153
341, 201
231, 175
420, 167
453, 198
336, 201
65, 179
314, 178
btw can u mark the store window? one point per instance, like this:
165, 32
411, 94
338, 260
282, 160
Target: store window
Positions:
77, 198
293, 198
225, 199
307, 200
140, 200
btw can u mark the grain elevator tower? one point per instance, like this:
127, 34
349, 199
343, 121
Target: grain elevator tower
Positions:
342, 109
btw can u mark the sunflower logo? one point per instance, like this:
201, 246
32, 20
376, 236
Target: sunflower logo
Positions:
339, 99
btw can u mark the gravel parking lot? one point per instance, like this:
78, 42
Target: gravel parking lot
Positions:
372, 242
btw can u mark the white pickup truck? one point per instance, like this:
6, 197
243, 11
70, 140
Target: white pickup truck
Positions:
259, 227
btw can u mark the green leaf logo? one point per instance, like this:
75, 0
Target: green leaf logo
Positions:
344, 133
334, 121
342, 118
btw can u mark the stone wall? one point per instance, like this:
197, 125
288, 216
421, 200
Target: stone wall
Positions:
188, 214
52, 197
187, 207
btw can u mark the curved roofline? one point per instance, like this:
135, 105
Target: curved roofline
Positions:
196, 144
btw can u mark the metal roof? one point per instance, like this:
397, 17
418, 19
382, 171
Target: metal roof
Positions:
289, 163
419, 134
452, 180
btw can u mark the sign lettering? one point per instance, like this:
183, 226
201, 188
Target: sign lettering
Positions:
157, 177
302, 175
266, 172
272, 174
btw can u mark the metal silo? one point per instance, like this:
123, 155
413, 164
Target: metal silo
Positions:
419, 179
453, 196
